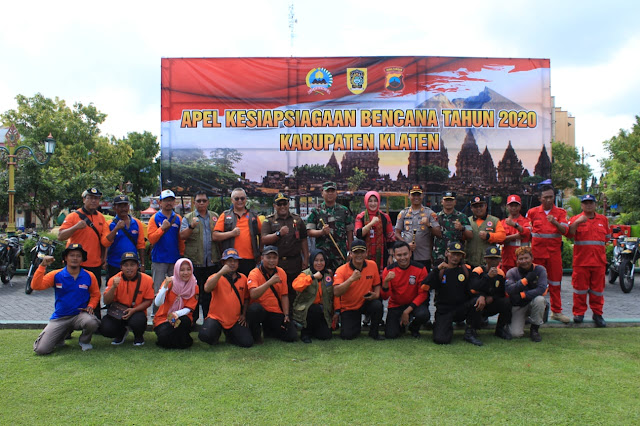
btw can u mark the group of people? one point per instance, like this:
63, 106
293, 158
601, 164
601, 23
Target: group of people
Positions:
254, 279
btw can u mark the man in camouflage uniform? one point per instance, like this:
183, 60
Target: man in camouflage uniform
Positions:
455, 226
288, 233
338, 221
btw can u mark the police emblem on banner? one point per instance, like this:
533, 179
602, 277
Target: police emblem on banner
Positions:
319, 80
412, 279
395, 78
356, 80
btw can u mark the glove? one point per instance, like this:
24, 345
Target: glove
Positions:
515, 298
532, 280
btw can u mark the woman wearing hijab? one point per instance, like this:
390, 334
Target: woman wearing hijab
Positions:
375, 228
176, 301
313, 309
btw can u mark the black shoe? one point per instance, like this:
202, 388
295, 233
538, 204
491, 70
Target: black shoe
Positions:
377, 337
459, 324
485, 323
471, 337
600, 322
415, 334
534, 334
428, 326
503, 333
305, 339
578, 319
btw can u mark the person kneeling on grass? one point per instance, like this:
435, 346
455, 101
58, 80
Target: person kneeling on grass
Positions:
454, 301
526, 286
176, 300
228, 307
357, 285
269, 309
76, 296
313, 306
129, 293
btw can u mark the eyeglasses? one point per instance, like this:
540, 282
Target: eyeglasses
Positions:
240, 198
201, 201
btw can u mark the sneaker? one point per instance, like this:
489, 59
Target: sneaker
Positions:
138, 341
86, 346
578, 319
600, 322
559, 316
120, 340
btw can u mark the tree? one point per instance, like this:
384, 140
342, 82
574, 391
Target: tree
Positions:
314, 171
355, 180
566, 166
83, 157
433, 173
190, 169
623, 172
142, 169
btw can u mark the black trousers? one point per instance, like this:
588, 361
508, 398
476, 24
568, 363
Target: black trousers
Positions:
174, 338
273, 324
237, 335
246, 265
425, 263
97, 271
419, 317
502, 307
316, 324
112, 327
292, 266
351, 324
446, 315
202, 274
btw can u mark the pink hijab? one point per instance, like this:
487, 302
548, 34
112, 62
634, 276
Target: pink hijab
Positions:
185, 290
366, 202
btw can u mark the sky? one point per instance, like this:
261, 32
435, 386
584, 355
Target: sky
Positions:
108, 53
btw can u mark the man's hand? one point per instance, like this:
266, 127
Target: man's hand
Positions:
412, 246
284, 231
404, 319
275, 279
194, 222
480, 303
165, 225
235, 232
443, 265
127, 313
286, 319
391, 275
317, 275
493, 272
47, 260
81, 225
116, 281
458, 225
355, 276
225, 270
510, 222
326, 230
482, 235
242, 320
370, 296
424, 221
120, 225
88, 310
581, 219
552, 219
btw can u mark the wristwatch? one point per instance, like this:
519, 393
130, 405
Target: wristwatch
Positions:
278, 234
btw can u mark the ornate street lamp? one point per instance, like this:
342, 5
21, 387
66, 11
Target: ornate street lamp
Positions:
13, 138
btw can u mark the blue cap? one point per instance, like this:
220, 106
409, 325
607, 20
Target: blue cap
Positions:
587, 197
230, 253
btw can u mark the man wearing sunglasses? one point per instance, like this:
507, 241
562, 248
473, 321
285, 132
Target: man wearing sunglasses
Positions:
196, 231
239, 228
288, 233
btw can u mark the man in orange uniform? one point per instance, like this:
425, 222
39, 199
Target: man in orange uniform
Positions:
240, 229
229, 301
548, 225
87, 227
356, 286
518, 233
269, 309
590, 232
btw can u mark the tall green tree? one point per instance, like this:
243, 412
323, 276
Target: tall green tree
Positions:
566, 166
142, 169
83, 156
356, 179
622, 169
433, 173
190, 169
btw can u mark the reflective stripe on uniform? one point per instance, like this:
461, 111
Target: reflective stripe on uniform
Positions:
556, 283
564, 225
589, 243
580, 291
596, 293
517, 244
535, 235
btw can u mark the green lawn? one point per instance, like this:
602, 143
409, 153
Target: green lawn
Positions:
575, 376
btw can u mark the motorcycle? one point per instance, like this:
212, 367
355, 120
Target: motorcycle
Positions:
10, 252
623, 262
44, 247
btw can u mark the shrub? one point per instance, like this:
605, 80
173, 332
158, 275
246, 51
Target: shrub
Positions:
30, 243
567, 253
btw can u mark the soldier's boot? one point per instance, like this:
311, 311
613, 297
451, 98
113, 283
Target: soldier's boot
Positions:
535, 334
471, 337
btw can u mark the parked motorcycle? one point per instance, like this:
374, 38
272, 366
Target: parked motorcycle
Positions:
44, 247
10, 252
623, 262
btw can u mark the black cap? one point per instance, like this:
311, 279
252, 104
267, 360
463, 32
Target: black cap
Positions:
455, 247
269, 249
92, 191
120, 199
129, 256
478, 199
449, 194
415, 189
358, 245
280, 196
492, 251
72, 247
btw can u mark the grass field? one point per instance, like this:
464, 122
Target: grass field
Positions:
577, 376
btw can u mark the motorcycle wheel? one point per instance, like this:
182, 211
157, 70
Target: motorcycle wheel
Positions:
8, 275
27, 288
613, 274
626, 279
